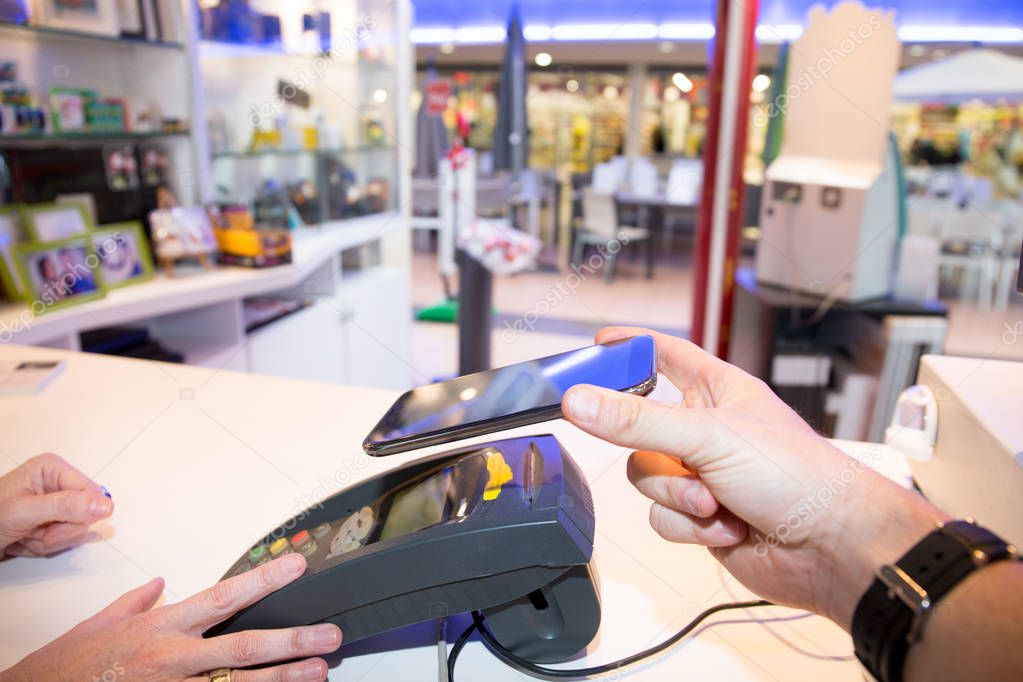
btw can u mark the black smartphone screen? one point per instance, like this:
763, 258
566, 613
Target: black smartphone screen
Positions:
534, 386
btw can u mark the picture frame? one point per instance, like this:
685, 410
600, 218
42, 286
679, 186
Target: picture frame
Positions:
54, 222
84, 199
121, 166
131, 18
123, 253
84, 16
68, 109
59, 274
12, 232
10, 280
182, 233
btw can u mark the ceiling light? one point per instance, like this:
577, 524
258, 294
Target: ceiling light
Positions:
572, 85
778, 33
961, 34
610, 92
761, 82
599, 32
536, 32
666, 47
543, 59
917, 50
447, 48
696, 31
480, 35
680, 81
380, 96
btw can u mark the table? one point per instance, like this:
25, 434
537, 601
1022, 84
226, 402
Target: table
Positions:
656, 206
770, 322
201, 461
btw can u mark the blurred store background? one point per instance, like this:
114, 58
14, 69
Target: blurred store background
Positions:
388, 193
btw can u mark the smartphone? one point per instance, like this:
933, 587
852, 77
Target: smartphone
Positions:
506, 397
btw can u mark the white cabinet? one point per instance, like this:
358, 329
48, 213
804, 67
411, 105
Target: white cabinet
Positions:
308, 344
376, 311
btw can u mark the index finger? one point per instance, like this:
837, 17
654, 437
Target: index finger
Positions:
215, 604
58, 474
684, 363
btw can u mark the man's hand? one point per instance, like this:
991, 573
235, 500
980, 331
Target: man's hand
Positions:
734, 468
46, 505
132, 641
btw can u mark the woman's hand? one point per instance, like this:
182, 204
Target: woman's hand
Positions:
792, 517
132, 641
46, 505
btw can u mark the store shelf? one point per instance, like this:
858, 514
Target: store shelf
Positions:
217, 49
313, 247
64, 34
49, 139
357, 149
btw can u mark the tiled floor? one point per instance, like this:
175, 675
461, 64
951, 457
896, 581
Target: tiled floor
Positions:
560, 311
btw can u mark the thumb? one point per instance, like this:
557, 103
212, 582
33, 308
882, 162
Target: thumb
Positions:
24, 514
139, 600
641, 423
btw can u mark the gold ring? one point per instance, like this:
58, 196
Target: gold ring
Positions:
219, 675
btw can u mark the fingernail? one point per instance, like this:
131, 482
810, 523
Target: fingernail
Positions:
735, 528
328, 635
312, 670
100, 507
583, 404
692, 497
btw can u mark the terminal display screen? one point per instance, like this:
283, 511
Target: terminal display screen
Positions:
448, 493
445, 495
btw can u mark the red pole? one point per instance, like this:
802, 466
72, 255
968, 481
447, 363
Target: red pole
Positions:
720, 215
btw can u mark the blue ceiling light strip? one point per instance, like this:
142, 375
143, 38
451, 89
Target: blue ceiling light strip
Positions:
692, 32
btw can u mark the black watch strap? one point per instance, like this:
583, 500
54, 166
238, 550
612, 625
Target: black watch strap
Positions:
892, 612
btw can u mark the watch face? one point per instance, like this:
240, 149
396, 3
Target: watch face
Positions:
353, 532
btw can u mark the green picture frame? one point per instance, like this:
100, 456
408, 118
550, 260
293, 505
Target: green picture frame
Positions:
64, 100
40, 232
137, 263
10, 280
12, 232
54, 294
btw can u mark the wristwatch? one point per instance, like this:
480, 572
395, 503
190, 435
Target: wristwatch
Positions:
891, 614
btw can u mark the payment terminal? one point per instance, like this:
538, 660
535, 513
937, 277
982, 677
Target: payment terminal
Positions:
505, 528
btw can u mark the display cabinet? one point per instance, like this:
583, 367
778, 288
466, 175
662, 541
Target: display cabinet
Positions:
122, 91
288, 107
303, 109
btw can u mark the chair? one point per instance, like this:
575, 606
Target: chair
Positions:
1012, 230
685, 181
971, 242
492, 195
600, 227
643, 178
607, 177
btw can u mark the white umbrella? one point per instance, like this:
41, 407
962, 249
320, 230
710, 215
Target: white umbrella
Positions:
974, 74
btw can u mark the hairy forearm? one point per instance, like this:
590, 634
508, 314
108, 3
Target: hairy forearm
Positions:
975, 632
876, 525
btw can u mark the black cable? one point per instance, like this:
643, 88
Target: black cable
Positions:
530, 668
456, 649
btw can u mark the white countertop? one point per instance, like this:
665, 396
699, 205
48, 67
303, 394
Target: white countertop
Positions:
312, 247
202, 462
